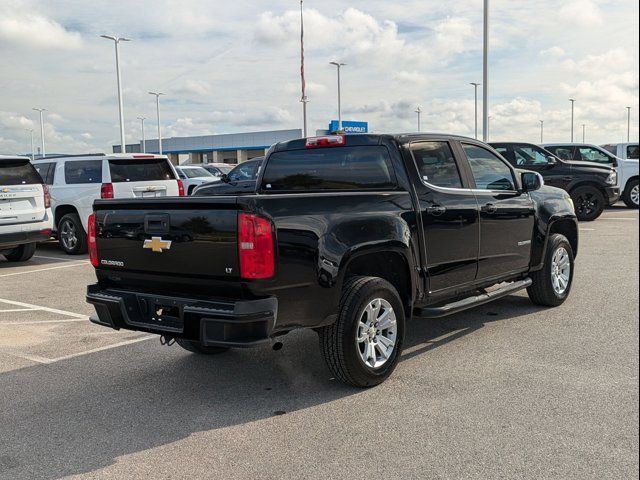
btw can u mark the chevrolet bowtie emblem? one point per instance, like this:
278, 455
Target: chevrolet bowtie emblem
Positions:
157, 244
151, 188
5, 190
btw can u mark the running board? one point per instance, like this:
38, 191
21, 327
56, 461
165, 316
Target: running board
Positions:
470, 302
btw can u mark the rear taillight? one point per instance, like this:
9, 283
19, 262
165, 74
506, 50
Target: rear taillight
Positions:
326, 141
47, 196
92, 244
106, 191
180, 188
255, 246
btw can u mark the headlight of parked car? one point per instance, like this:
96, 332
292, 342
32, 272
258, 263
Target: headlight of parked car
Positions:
612, 179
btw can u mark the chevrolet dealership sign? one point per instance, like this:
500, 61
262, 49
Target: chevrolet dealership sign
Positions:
349, 127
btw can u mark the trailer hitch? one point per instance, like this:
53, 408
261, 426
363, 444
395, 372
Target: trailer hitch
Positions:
166, 340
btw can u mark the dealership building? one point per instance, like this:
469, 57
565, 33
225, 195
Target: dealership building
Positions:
225, 148
231, 147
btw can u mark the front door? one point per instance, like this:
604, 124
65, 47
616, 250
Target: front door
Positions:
449, 216
506, 214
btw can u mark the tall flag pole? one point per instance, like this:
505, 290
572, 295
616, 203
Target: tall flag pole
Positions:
304, 98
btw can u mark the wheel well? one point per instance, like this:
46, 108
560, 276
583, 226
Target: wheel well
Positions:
391, 266
569, 229
635, 177
61, 211
595, 185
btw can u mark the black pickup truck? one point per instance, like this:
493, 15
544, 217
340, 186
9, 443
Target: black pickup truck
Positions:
349, 235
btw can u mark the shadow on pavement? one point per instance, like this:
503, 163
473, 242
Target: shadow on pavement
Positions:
79, 415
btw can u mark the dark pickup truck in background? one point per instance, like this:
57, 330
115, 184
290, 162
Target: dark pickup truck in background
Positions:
592, 186
349, 235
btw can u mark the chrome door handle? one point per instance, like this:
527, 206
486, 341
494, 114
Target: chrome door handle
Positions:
436, 210
489, 208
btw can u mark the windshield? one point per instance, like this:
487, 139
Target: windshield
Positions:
18, 172
140, 170
194, 172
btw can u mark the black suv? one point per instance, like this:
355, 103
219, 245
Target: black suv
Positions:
591, 186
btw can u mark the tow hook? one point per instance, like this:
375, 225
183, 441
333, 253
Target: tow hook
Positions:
277, 346
168, 341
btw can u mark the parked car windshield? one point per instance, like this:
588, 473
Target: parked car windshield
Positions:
140, 170
18, 172
194, 172
340, 168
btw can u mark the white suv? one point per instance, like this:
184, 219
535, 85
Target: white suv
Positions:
628, 153
76, 181
25, 210
626, 166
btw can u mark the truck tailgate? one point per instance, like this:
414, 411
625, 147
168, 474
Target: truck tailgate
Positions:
172, 236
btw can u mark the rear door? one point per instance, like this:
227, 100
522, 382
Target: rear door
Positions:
142, 177
506, 215
449, 213
21, 193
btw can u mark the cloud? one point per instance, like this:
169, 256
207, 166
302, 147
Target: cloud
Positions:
554, 51
37, 32
582, 13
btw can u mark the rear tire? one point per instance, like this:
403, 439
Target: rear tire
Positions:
21, 253
589, 203
197, 347
552, 284
71, 235
357, 347
631, 194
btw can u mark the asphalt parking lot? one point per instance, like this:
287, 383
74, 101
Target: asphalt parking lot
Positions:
507, 390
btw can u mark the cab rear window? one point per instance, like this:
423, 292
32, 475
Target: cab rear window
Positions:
18, 172
140, 170
338, 168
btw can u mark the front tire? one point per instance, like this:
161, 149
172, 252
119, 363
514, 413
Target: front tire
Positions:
21, 253
363, 346
552, 284
71, 235
589, 203
197, 347
631, 195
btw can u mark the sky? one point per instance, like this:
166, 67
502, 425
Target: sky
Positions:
229, 67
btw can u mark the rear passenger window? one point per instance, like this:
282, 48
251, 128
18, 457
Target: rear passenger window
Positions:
47, 171
83, 171
337, 168
436, 164
489, 172
564, 153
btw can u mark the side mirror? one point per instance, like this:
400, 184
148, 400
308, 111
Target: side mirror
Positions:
531, 181
551, 160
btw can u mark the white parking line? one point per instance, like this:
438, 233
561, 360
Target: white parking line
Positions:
11, 310
44, 269
61, 259
45, 360
618, 218
587, 229
44, 309
37, 322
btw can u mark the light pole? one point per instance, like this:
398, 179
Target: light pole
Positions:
116, 41
488, 131
40, 110
33, 157
338, 66
628, 124
303, 82
419, 112
144, 145
573, 101
541, 131
485, 74
475, 117
158, 94
584, 127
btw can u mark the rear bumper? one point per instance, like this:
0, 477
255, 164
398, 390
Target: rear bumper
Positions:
12, 240
612, 194
213, 322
